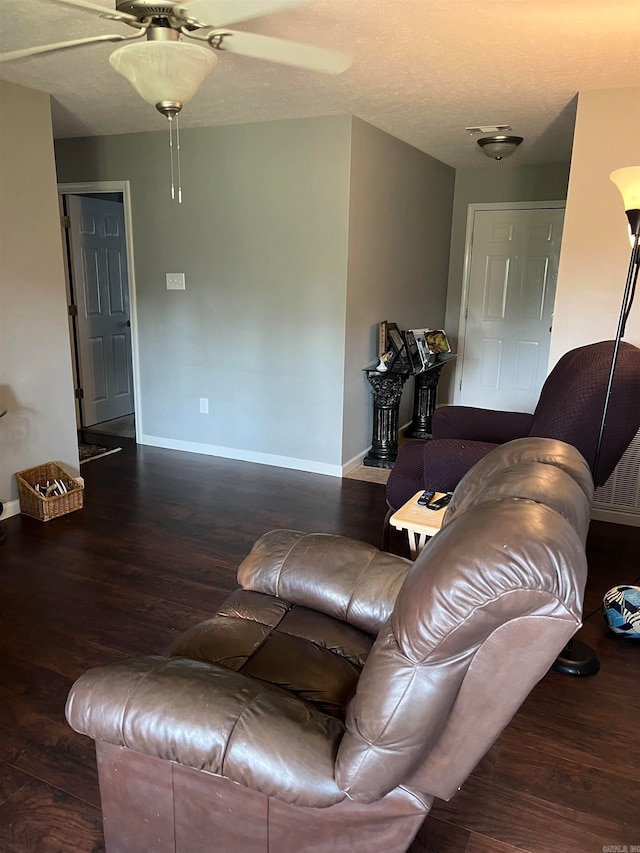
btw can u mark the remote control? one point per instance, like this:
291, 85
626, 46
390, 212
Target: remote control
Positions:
426, 497
441, 502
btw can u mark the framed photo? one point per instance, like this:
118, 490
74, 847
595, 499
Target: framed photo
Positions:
382, 338
413, 353
395, 338
396, 345
421, 343
437, 340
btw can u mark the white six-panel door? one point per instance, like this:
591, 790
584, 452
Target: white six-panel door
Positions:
512, 268
101, 290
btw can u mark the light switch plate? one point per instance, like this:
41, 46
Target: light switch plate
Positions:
175, 281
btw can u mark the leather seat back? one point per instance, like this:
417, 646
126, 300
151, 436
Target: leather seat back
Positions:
528, 468
504, 578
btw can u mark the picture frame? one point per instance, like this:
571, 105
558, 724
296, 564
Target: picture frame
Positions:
421, 343
397, 346
382, 338
413, 353
437, 341
394, 338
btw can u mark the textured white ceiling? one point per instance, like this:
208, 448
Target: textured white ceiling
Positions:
423, 70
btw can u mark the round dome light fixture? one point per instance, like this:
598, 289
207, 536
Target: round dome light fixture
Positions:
499, 147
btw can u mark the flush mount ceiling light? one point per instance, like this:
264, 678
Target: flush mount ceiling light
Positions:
498, 147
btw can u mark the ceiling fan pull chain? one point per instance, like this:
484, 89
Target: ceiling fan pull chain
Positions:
173, 192
177, 157
178, 160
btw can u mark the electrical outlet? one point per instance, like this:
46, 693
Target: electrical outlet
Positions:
175, 280
204, 405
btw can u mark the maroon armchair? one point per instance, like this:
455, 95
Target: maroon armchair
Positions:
569, 409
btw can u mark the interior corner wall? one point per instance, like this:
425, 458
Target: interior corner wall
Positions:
490, 183
36, 383
261, 236
399, 233
595, 245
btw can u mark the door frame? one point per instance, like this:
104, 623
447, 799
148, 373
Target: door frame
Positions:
466, 270
124, 188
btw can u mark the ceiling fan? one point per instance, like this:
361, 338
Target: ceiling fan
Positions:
179, 49
180, 44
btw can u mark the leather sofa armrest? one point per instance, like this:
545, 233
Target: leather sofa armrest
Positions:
473, 424
344, 578
210, 718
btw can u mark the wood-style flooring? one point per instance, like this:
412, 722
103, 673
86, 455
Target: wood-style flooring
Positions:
155, 550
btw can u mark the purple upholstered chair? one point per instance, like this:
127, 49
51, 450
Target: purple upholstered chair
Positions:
570, 409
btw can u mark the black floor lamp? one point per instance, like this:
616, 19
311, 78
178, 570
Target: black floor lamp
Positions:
628, 182
577, 658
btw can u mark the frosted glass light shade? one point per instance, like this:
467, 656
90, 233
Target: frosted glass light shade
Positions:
499, 147
628, 182
164, 71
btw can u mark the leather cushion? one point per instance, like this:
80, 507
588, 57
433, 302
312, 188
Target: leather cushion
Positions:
212, 719
309, 653
510, 457
344, 578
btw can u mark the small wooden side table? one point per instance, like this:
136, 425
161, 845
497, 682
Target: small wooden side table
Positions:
419, 522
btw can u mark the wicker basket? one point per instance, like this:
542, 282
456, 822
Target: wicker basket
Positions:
44, 509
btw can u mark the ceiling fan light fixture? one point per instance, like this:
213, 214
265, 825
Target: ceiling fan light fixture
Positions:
499, 147
164, 71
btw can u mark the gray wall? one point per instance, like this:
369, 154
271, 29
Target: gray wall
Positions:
495, 182
296, 238
35, 363
401, 202
262, 239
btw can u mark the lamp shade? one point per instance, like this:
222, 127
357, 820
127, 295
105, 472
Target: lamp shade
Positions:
164, 71
628, 182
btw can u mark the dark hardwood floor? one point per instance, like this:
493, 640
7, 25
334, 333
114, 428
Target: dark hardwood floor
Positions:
156, 549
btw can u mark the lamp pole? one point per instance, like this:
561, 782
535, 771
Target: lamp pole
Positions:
577, 658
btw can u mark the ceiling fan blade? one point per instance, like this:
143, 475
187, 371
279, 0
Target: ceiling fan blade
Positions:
221, 12
103, 11
63, 45
280, 50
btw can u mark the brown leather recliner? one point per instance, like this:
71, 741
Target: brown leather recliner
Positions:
342, 688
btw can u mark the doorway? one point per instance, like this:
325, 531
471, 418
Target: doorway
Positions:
511, 268
102, 318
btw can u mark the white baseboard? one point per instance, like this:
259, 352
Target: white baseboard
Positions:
309, 465
615, 517
354, 462
357, 460
10, 508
